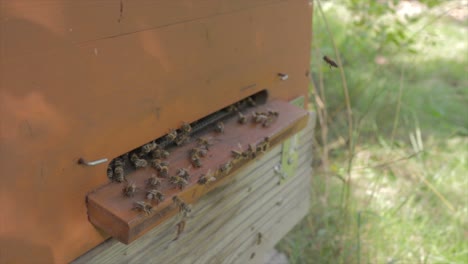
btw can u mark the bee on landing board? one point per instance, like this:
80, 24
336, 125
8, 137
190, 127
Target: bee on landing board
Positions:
219, 127
330, 62
143, 207
119, 174
155, 195
153, 181
129, 189
206, 178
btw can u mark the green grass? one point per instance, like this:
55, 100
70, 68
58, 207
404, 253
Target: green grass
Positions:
408, 191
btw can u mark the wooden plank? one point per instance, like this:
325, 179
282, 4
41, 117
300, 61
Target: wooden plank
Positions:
224, 225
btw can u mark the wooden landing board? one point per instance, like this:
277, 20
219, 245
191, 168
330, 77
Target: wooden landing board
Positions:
225, 224
111, 211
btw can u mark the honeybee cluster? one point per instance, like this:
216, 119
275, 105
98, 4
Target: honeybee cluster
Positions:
154, 154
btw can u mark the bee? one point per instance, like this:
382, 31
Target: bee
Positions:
157, 164
153, 181
182, 139
179, 181
231, 108
186, 128
183, 207
259, 117
160, 153
180, 229
251, 152
219, 127
331, 63
206, 178
205, 142
130, 189
137, 162
119, 162
236, 154
195, 159
143, 207
259, 238
140, 163
119, 174
272, 113
268, 121
199, 151
110, 172
147, 148
251, 101
183, 173
155, 195
266, 144
242, 119
164, 171
172, 135
226, 168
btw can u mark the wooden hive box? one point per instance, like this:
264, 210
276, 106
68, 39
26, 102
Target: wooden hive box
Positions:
84, 82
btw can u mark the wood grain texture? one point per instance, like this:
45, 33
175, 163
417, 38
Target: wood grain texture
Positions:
225, 224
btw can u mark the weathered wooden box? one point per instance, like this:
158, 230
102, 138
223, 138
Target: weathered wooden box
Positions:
91, 80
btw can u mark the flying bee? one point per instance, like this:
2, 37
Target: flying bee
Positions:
155, 195
242, 119
331, 63
130, 189
172, 135
186, 128
219, 127
147, 148
251, 101
178, 181
153, 181
143, 207
226, 167
206, 178
119, 174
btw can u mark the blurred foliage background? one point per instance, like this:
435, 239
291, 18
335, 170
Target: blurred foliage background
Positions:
391, 155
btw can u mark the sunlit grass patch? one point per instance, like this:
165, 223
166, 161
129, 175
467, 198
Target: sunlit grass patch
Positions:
408, 182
